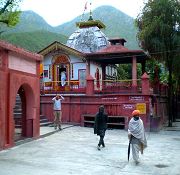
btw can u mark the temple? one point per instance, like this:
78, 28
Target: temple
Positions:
89, 60
85, 72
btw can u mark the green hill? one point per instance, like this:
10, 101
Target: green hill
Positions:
29, 22
33, 41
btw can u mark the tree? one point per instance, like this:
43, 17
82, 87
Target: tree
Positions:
159, 35
9, 13
124, 71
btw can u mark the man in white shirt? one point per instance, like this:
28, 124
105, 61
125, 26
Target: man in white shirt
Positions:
57, 111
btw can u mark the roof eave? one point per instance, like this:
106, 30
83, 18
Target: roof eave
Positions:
56, 46
18, 50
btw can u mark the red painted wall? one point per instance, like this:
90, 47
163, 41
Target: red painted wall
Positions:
116, 105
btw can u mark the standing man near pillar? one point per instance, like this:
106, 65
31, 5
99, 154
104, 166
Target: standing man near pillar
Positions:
100, 126
136, 135
57, 111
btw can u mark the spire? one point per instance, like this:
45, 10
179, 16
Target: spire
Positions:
90, 22
90, 14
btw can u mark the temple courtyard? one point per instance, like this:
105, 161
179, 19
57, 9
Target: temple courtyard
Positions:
73, 151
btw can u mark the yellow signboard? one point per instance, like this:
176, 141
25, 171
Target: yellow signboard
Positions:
141, 107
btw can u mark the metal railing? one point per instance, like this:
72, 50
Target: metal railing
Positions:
48, 87
117, 86
105, 86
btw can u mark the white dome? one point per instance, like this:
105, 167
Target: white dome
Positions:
88, 40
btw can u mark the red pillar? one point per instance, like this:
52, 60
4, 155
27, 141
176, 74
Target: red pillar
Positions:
87, 68
90, 85
4, 101
103, 75
134, 72
145, 83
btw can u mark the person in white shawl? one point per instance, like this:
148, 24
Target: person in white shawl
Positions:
63, 78
136, 135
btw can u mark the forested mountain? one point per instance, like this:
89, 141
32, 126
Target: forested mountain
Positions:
34, 41
117, 23
30, 22
34, 33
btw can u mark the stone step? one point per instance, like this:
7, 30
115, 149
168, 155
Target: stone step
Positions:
17, 115
17, 126
175, 126
42, 117
44, 120
46, 124
17, 109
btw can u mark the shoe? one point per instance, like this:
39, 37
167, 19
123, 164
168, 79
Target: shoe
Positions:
98, 147
137, 162
103, 146
60, 128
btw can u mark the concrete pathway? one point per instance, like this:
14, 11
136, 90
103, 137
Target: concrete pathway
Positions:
73, 151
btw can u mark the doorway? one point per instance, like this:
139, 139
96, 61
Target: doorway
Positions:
62, 75
19, 115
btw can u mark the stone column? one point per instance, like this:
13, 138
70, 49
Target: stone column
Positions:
87, 68
5, 131
134, 72
145, 84
103, 75
89, 85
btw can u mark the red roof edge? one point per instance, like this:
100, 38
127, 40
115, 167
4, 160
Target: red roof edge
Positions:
19, 50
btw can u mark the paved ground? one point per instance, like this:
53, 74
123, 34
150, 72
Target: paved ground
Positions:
72, 151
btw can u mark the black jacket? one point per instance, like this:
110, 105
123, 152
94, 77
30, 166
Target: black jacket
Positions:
100, 122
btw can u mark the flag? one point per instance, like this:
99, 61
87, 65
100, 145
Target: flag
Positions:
85, 6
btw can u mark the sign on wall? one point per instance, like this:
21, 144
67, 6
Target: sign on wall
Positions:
129, 106
141, 107
136, 98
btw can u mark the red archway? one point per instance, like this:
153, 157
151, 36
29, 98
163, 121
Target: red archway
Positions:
25, 126
19, 74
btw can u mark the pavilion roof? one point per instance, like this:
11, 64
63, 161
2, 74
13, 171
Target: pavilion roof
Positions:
117, 54
113, 49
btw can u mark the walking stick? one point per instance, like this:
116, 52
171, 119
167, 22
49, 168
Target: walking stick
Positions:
129, 147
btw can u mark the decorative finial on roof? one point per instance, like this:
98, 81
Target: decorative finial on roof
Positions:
90, 22
90, 14
85, 8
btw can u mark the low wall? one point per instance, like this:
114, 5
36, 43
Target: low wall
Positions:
74, 106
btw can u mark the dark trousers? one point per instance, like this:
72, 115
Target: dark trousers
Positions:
101, 140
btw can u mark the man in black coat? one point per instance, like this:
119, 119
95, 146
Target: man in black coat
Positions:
100, 126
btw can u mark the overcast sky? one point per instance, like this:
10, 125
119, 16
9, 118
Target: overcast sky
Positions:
56, 12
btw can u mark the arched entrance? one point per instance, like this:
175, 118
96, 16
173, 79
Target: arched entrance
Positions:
60, 71
23, 112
